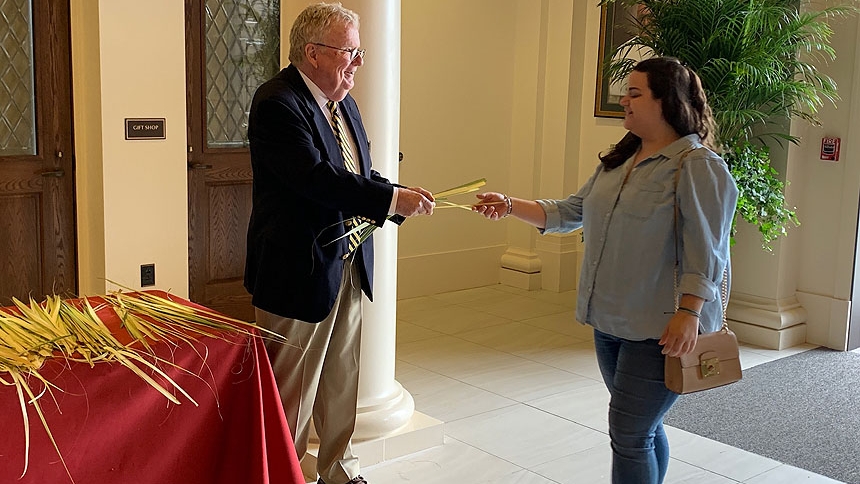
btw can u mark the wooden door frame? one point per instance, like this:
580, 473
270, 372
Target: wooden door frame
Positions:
56, 26
194, 125
209, 170
54, 150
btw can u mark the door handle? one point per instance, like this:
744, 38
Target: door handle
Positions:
199, 166
54, 173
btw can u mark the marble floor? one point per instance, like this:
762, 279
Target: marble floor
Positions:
515, 380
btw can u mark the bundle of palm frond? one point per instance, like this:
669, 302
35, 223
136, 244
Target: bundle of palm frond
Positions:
443, 196
365, 229
73, 330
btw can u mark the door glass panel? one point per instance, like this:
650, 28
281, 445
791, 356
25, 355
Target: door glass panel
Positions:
17, 96
242, 51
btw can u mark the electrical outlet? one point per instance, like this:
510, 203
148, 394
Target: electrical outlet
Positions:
147, 275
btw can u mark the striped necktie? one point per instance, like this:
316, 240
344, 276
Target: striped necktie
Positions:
348, 160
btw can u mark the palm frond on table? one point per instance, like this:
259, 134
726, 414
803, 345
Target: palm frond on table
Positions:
30, 333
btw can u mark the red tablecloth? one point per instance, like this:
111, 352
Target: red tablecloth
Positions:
111, 427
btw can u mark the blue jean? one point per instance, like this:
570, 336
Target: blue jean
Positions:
633, 373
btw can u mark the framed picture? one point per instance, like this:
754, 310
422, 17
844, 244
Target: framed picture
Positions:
616, 27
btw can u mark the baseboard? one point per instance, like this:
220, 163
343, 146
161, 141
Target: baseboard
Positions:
828, 320
429, 274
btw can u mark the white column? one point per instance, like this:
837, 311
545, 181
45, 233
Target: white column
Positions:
521, 266
383, 405
764, 309
546, 137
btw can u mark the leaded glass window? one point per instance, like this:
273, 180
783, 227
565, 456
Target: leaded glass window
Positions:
242, 42
17, 95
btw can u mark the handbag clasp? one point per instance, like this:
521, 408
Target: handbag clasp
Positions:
710, 367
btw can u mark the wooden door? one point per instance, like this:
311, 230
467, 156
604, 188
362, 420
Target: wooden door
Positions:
37, 214
231, 48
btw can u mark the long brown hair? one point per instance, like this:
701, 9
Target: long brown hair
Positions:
682, 98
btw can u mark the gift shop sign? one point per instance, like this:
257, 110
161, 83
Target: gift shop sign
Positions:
150, 128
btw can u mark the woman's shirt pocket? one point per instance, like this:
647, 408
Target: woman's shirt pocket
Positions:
641, 199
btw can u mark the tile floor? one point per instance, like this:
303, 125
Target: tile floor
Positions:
515, 380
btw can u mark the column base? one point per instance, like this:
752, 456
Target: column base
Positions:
770, 323
561, 255
522, 280
520, 268
374, 419
774, 339
420, 433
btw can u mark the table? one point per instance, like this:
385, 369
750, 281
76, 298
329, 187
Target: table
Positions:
112, 427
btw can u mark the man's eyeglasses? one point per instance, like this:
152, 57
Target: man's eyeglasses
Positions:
353, 53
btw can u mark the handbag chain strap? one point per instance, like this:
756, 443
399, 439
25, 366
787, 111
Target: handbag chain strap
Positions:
724, 285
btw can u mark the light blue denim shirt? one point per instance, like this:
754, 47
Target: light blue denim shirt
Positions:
626, 287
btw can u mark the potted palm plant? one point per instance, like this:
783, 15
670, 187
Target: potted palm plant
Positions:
757, 61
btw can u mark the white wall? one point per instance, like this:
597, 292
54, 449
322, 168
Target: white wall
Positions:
502, 90
128, 61
828, 197
456, 105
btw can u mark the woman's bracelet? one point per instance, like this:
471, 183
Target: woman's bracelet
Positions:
690, 311
510, 206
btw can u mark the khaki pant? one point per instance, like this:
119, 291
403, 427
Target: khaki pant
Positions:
317, 375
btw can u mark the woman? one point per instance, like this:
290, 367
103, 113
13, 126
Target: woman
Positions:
628, 286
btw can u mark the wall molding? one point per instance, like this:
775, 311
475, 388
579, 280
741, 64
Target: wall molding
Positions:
767, 322
427, 274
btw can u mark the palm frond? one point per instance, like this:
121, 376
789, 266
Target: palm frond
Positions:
32, 332
366, 229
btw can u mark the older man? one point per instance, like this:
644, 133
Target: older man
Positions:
312, 183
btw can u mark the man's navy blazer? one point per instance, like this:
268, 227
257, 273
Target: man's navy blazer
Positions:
302, 195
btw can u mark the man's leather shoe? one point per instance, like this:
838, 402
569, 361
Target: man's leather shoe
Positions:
355, 480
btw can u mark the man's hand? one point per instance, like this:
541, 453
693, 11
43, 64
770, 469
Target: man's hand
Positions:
414, 201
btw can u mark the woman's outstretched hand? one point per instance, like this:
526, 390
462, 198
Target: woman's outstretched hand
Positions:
492, 205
